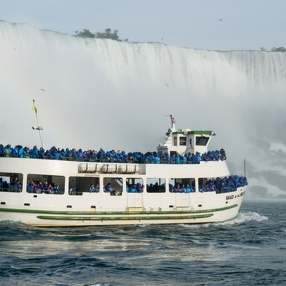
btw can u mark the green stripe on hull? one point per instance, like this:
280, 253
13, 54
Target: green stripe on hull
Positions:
120, 218
13, 210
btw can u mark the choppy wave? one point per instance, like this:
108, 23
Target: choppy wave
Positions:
245, 217
242, 218
228, 253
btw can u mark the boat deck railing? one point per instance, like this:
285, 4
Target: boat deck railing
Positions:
109, 157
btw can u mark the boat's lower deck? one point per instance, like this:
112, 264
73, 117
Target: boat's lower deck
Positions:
50, 192
129, 208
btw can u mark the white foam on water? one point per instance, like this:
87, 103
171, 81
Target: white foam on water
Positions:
244, 217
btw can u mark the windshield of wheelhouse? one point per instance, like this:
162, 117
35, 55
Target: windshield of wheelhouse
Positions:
202, 140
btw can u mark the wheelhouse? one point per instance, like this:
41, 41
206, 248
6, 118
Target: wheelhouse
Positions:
186, 140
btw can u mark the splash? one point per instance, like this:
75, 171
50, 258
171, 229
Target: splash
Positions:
94, 93
242, 218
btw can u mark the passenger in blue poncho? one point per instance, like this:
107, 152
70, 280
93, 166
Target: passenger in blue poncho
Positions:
93, 189
34, 153
108, 188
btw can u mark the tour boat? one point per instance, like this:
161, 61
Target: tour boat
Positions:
180, 183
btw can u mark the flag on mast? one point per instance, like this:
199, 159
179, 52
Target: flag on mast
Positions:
38, 127
34, 108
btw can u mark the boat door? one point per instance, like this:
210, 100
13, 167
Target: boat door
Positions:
134, 200
134, 189
182, 187
182, 200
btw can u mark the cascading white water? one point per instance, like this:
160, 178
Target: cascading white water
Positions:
103, 93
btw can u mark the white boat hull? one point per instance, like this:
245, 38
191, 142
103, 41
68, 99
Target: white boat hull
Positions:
95, 209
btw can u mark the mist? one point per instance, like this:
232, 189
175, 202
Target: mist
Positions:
96, 93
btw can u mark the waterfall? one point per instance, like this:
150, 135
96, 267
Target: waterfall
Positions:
94, 93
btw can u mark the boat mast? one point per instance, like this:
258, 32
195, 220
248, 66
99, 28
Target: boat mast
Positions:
38, 127
173, 127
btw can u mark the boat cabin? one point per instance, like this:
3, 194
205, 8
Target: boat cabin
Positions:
182, 141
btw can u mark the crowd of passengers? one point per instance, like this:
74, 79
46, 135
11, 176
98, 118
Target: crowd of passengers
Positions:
5, 186
222, 185
219, 185
43, 187
32, 187
109, 156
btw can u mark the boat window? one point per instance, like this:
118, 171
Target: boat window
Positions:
183, 141
45, 184
221, 184
113, 186
182, 185
80, 185
202, 140
156, 185
11, 182
175, 141
134, 185
207, 184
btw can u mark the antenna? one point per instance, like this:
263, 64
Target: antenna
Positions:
173, 127
38, 127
